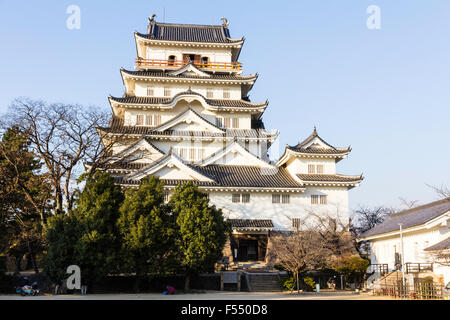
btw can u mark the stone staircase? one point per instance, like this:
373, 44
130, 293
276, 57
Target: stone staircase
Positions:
266, 282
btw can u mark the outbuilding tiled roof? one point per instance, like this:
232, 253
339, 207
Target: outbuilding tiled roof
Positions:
410, 218
443, 245
251, 223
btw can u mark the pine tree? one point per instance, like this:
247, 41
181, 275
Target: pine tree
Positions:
201, 230
98, 212
146, 229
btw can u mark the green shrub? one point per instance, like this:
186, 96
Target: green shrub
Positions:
288, 283
309, 282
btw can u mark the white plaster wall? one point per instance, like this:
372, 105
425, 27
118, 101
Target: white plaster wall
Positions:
140, 89
383, 250
166, 115
163, 53
300, 165
261, 206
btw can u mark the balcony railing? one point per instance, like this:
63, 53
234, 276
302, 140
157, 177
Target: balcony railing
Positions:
225, 66
381, 268
418, 267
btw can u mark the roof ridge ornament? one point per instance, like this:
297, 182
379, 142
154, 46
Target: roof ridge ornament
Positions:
151, 22
225, 23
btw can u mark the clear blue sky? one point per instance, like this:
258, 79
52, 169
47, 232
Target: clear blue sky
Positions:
384, 92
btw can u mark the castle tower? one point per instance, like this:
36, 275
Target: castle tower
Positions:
186, 116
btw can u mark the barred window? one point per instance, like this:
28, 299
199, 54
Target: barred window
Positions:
226, 94
319, 168
236, 197
139, 119
166, 196
167, 92
150, 92
285, 198
323, 199
314, 199
296, 222
226, 122
219, 122
235, 123
209, 93
148, 120
275, 198
245, 197
157, 119
311, 168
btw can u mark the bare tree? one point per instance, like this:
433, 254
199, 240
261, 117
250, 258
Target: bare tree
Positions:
62, 136
364, 219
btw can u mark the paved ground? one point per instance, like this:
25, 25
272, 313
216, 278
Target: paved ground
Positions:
209, 295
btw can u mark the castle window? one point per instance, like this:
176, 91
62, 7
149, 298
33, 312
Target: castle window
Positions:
219, 122
205, 61
296, 223
285, 198
148, 120
314, 199
275, 198
323, 199
167, 92
227, 122
171, 60
166, 196
157, 120
226, 94
236, 197
209, 93
245, 197
139, 119
319, 168
311, 168
235, 123
150, 92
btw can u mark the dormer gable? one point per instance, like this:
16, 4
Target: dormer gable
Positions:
189, 70
189, 121
170, 167
142, 151
235, 154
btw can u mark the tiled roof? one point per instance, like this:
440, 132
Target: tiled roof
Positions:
300, 147
212, 102
189, 33
237, 176
329, 177
214, 76
250, 223
116, 126
444, 244
411, 217
249, 176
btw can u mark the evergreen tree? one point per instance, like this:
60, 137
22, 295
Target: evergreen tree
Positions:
98, 211
62, 234
23, 197
146, 229
201, 230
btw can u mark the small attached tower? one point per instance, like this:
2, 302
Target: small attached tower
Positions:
312, 163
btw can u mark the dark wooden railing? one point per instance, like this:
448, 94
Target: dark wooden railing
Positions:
226, 66
418, 267
381, 268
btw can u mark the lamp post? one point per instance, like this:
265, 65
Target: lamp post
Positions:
402, 259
